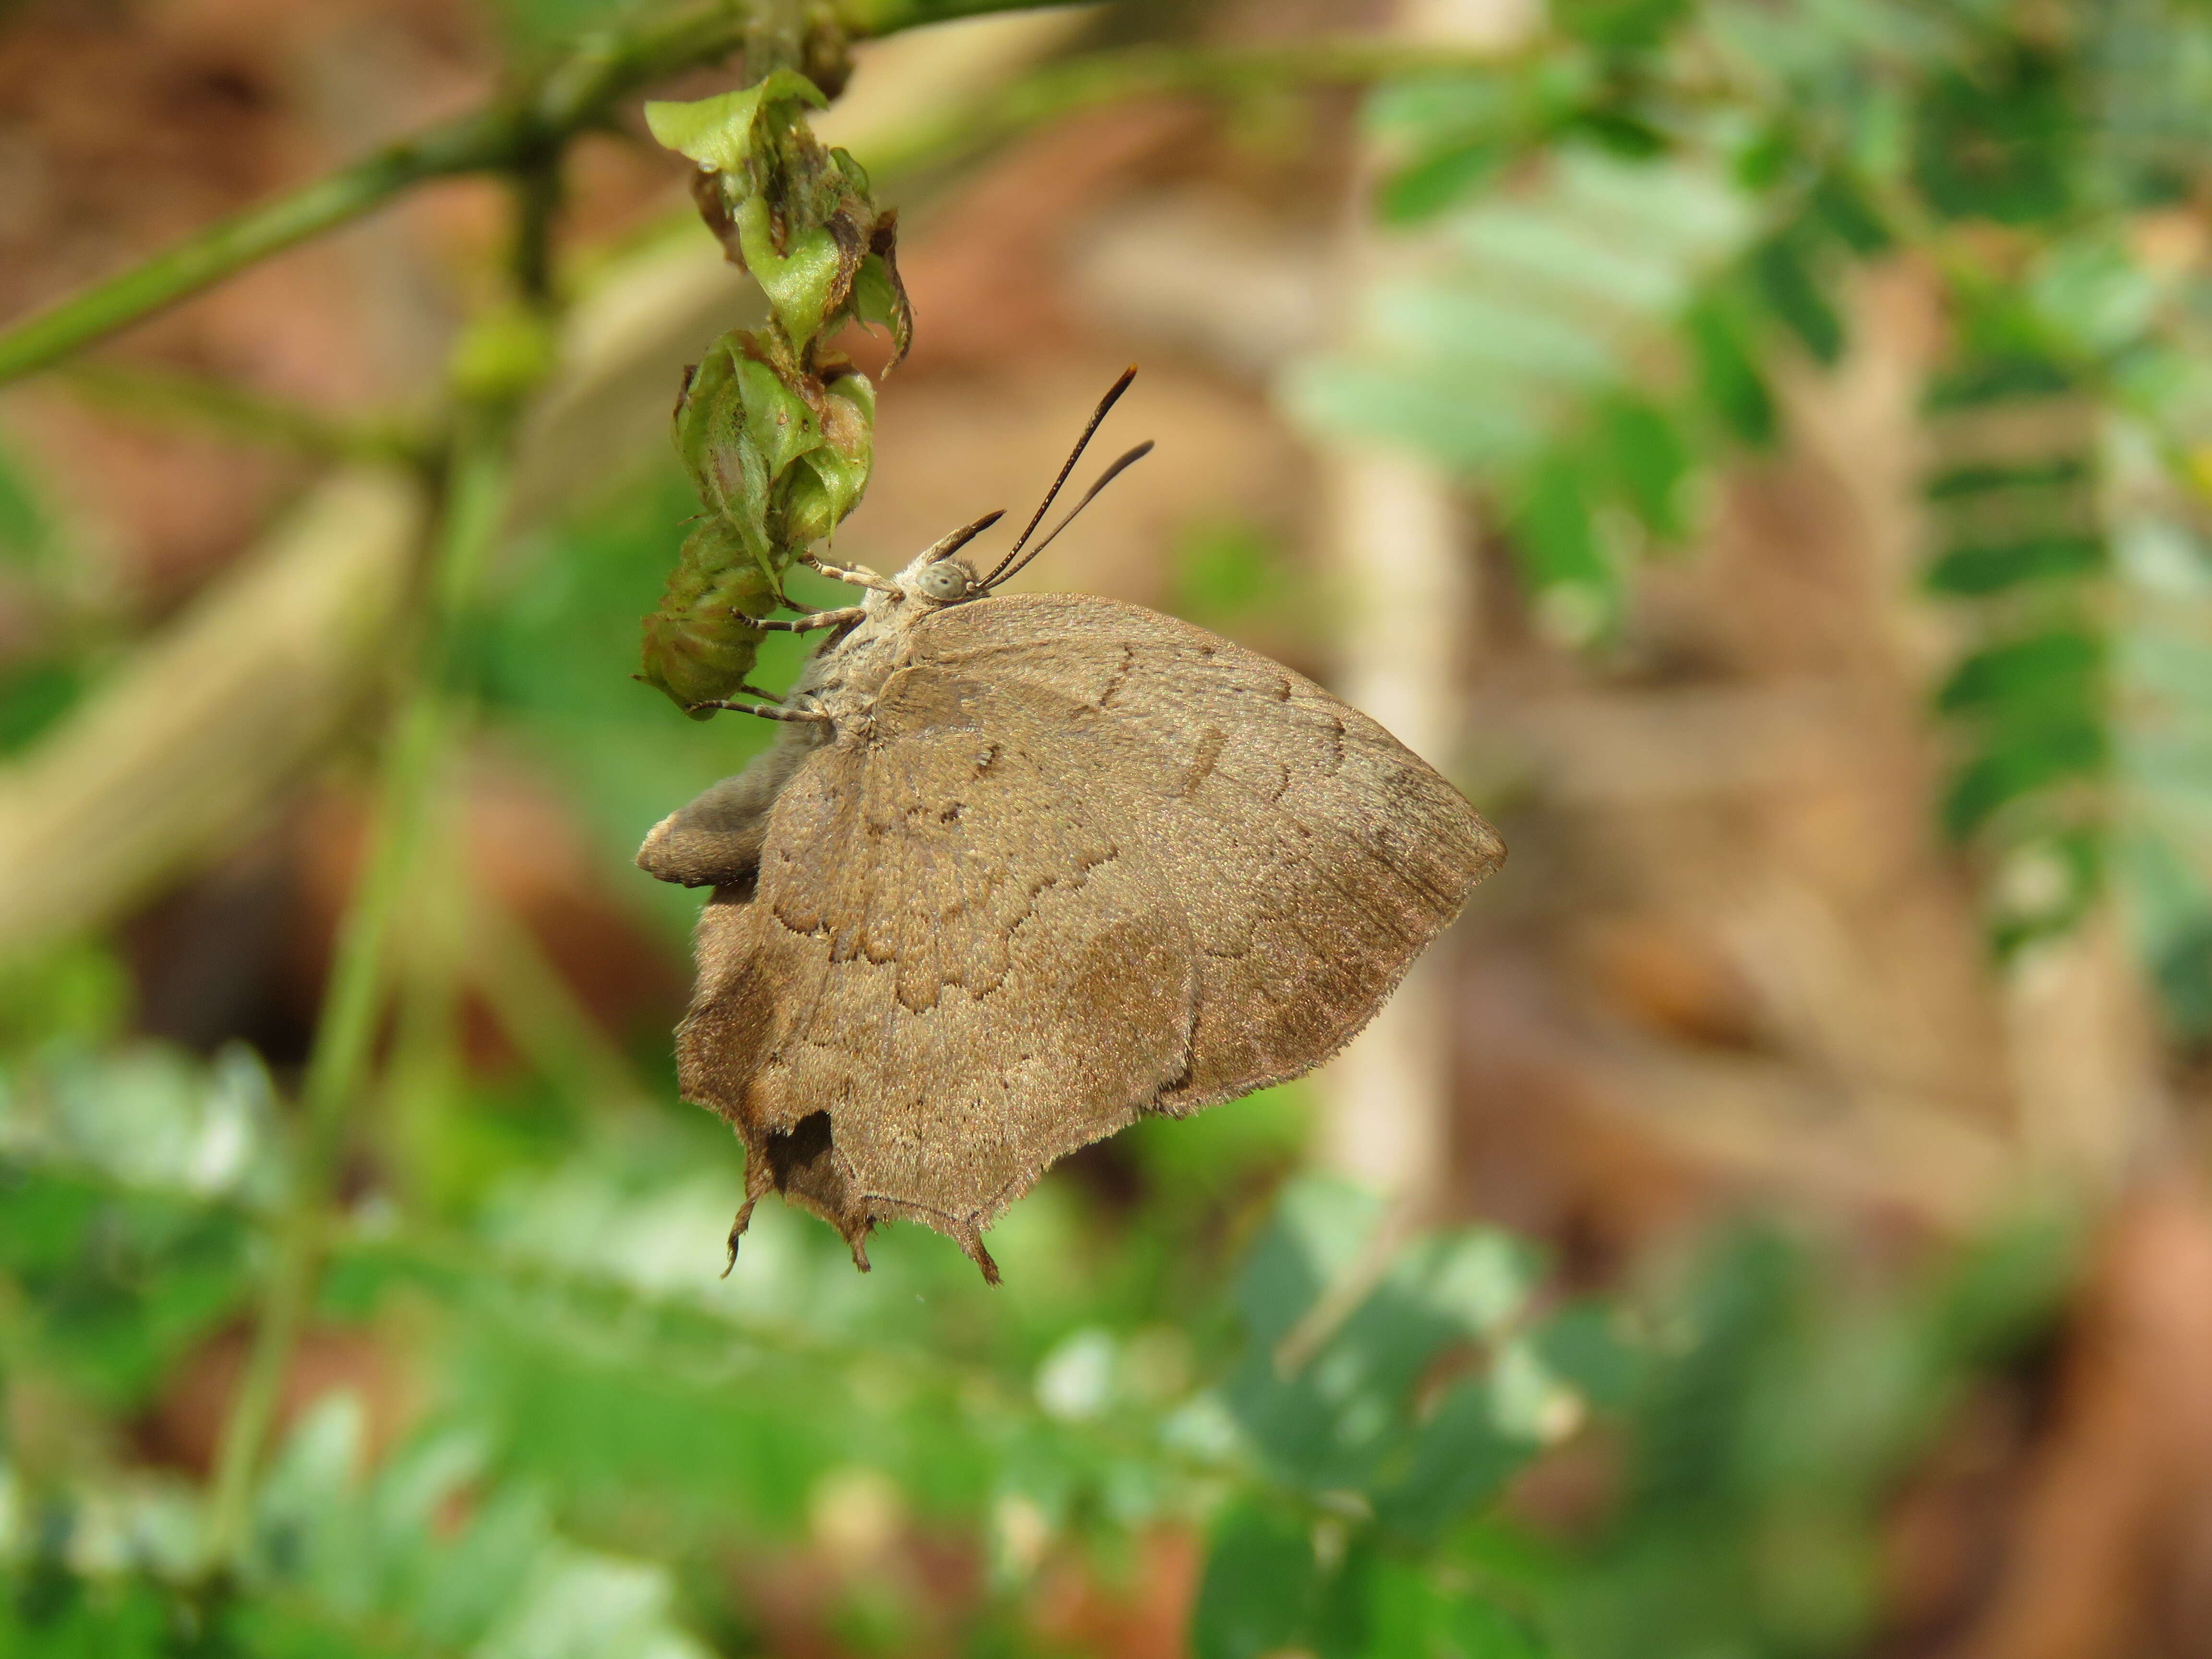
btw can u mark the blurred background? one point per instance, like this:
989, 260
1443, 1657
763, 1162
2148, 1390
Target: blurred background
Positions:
1761, 452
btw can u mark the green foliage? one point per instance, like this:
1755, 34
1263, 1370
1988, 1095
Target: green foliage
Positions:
2002, 138
1553, 301
605, 1416
39, 685
2016, 519
1384, 1398
1766, 1433
25, 528
1746, 159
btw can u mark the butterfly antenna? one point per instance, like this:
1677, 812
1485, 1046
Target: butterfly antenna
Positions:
1088, 495
1098, 414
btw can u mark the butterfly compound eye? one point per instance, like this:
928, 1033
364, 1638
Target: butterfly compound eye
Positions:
946, 580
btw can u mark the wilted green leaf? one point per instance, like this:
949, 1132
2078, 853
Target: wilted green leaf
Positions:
719, 132
802, 278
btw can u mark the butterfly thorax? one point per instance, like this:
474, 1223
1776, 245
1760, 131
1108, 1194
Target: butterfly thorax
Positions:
847, 674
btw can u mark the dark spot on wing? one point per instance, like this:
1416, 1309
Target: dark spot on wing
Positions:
1211, 743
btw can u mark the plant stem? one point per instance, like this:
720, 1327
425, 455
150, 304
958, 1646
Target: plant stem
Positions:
479, 141
476, 497
516, 134
222, 409
865, 18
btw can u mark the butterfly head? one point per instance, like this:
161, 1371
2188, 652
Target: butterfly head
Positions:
944, 581
936, 577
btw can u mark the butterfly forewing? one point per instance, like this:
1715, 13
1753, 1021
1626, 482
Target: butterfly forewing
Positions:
1311, 855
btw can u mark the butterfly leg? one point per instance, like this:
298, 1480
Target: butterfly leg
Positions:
850, 614
857, 576
758, 1183
738, 1231
766, 711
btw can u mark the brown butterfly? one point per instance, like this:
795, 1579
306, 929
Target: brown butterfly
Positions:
1025, 867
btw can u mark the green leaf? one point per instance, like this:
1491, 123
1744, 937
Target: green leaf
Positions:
25, 528
33, 697
59, 1616
1981, 477
1649, 460
2026, 681
777, 421
1457, 1460
1342, 1416
1260, 1588
430, 1549
121, 1285
1840, 208
802, 281
1428, 113
1495, 334
709, 416
879, 298
1783, 269
1617, 132
2021, 765
1728, 374
1620, 26
1582, 1344
2006, 1290
1555, 540
819, 492
1987, 375
718, 132
2001, 140
1973, 571
1319, 1230
1428, 186
1411, 1616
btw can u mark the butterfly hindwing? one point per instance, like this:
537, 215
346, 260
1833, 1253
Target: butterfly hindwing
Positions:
951, 974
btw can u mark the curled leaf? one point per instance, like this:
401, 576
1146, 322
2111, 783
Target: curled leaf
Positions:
804, 282
697, 646
775, 430
719, 132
